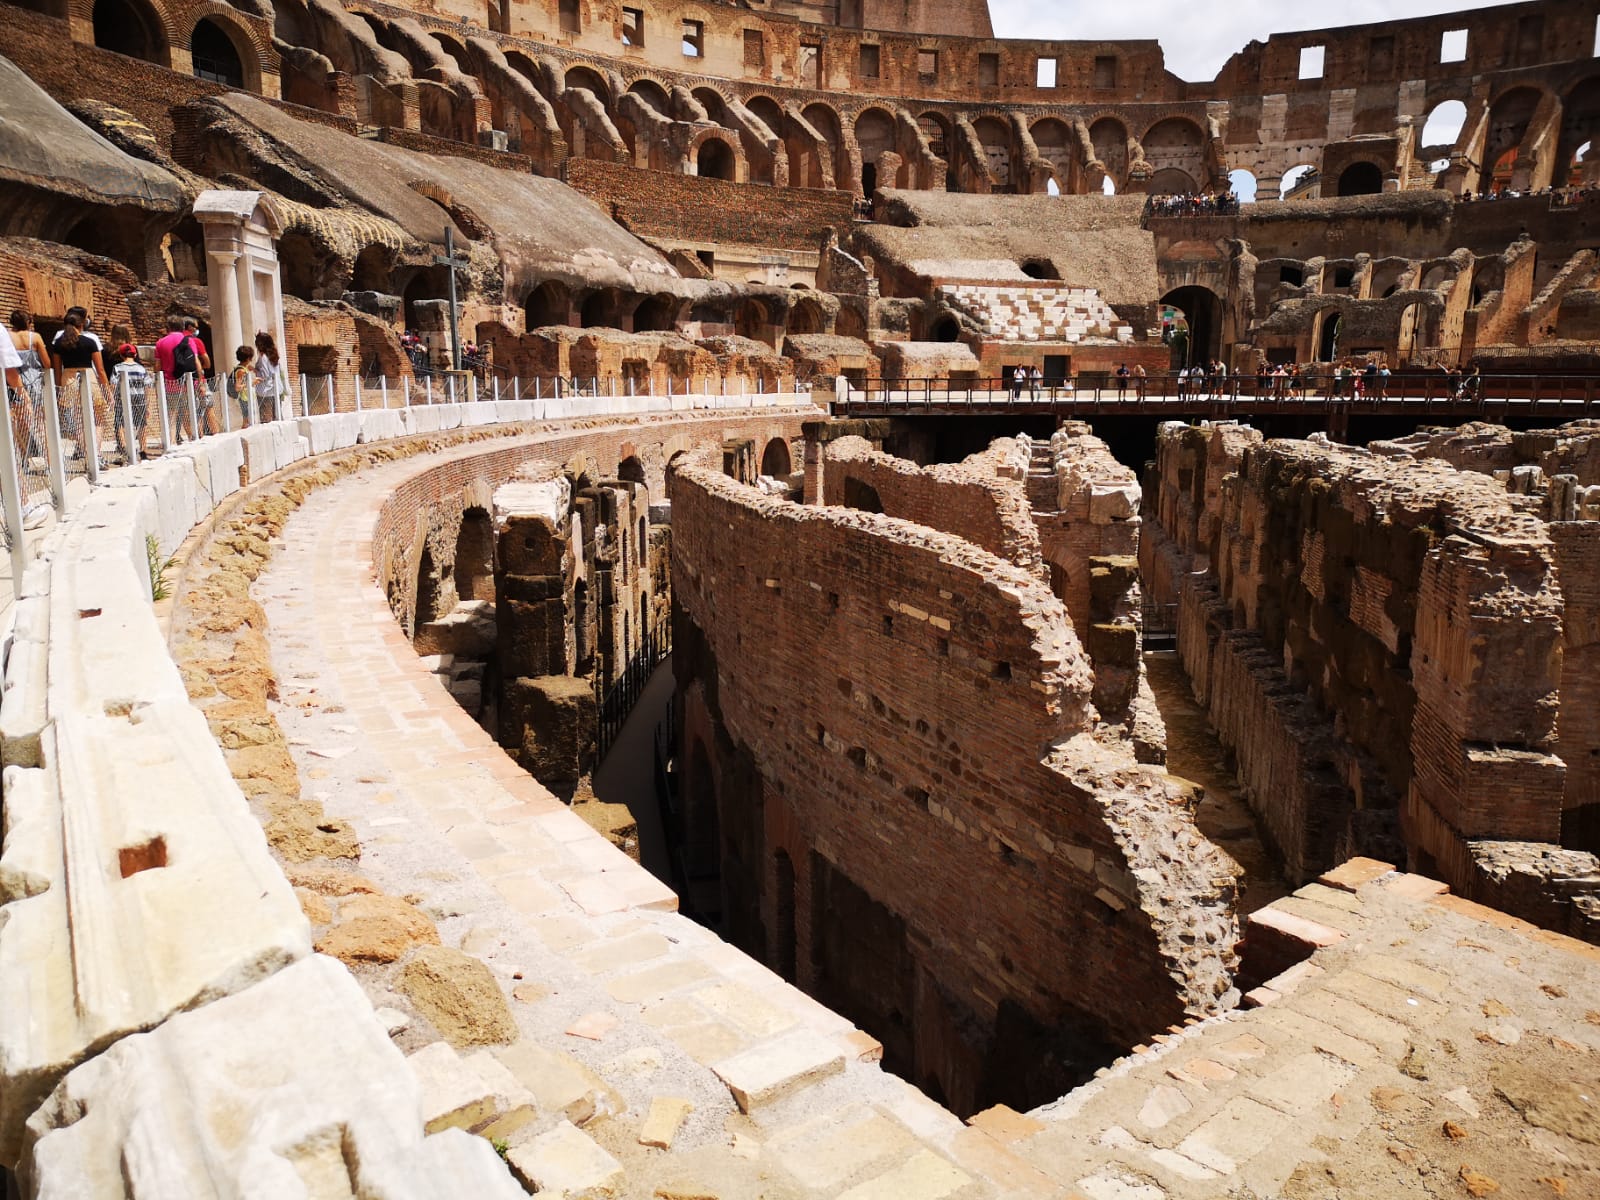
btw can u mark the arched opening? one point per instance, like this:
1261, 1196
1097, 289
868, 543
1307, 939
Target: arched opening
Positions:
775, 459
1327, 336
129, 27
1040, 268
783, 914
1109, 137
715, 160
214, 55
631, 470
1202, 324
427, 284
770, 114
299, 262
548, 304
1406, 343
806, 159
946, 329
995, 138
1509, 118
1580, 125
1243, 185
590, 81
1170, 181
1051, 188
753, 321
1361, 179
1108, 186
1054, 140
869, 178
427, 610
875, 136
599, 310
807, 317
475, 556
862, 497
1439, 133
373, 271
1299, 183
659, 314
711, 100
653, 94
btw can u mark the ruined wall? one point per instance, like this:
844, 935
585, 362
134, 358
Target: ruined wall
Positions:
1376, 637
851, 682
964, 499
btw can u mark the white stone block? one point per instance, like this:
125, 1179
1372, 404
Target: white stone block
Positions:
384, 424
260, 451
110, 527
22, 697
288, 1089
106, 651
217, 462
424, 419
482, 412
514, 410
454, 1096
161, 896
771, 1070
177, 500
1113, 502
450, 415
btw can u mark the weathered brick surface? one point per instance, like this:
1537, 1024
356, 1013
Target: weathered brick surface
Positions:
898, 724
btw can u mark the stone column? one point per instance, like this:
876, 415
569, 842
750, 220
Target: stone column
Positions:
227, 314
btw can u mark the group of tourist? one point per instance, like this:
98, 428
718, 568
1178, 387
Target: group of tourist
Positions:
76, 357
1219, 204
1559, 197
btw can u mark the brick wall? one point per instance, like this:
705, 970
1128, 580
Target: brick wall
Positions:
964, 499
866, 704
667, 207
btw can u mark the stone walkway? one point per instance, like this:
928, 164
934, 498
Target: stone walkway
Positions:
1430, 1048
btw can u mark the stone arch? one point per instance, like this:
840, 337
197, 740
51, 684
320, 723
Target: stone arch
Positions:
474, 569
875, 137
548, 304
770, 112
716, 155
1175, 144
601, 309
309, 270
946, 329
590, 80
1326, 337
1202, 311
776, 461
1109, 137
374, 269
824, 118
807, 316
1361, 178
1170, 181
1054, 140
713, 101
653, 94
1294, 177
753, 319
1243, 185
1440, 132
428, 592
1580, 126
631, 469
994, 135
849, 323
1409, 336
1509, 117
136, 28
456, 51
252, 56
657, 314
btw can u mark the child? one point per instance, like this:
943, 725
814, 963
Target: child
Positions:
240, 381
129, 372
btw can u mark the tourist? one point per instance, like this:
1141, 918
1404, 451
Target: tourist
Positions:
75, 356
27, 405
1139, 377
1122, 381
1035, 382
266, 377
178, 358
1369, 375
240, 380
1019, 376
129, 373
1183, 383
1383, 379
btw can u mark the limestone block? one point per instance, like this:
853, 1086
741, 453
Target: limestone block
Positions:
22, 696
178, 507
331, 431
567, 1164
260, 451
514, 410
449, 415
1112, 502
217, 462
481, 412
424, 419
289, 1088
382, 424
110, 527
661, 1125
106, 651
288, 445
559, 1083
454, 1096
771, 1070
160, 895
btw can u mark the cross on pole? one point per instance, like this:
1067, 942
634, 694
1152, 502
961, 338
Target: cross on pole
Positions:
449, 259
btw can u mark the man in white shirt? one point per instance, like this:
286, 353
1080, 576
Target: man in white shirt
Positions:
10, 360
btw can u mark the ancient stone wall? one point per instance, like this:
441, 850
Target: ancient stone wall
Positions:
965, 499
851, 682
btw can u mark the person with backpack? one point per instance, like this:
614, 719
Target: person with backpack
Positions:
75, 355
129, 372
240, 380
178, 360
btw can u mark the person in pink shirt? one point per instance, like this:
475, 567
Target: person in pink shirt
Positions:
180, 355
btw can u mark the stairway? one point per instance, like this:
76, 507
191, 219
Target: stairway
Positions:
1043, 491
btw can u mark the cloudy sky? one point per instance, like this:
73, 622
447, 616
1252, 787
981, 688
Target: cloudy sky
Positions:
1198, 35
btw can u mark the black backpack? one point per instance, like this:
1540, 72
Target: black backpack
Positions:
184, 361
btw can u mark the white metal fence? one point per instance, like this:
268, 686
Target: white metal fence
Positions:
77, 429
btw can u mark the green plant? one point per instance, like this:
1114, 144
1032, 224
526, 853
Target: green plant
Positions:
501, 1146
158, 567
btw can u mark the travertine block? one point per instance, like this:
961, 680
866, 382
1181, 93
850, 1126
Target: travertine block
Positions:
151, 891
567, 1164
216, 462
106, 652
771, 1070
289, 1088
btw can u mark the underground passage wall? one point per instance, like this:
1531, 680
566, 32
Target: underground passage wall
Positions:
892, 787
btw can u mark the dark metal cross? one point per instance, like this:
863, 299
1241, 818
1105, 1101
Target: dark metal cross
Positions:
449, 259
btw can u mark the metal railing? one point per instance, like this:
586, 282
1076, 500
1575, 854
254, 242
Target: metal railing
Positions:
1404, 392
616, 702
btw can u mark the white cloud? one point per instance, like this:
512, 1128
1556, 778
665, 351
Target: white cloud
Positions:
1198, 35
